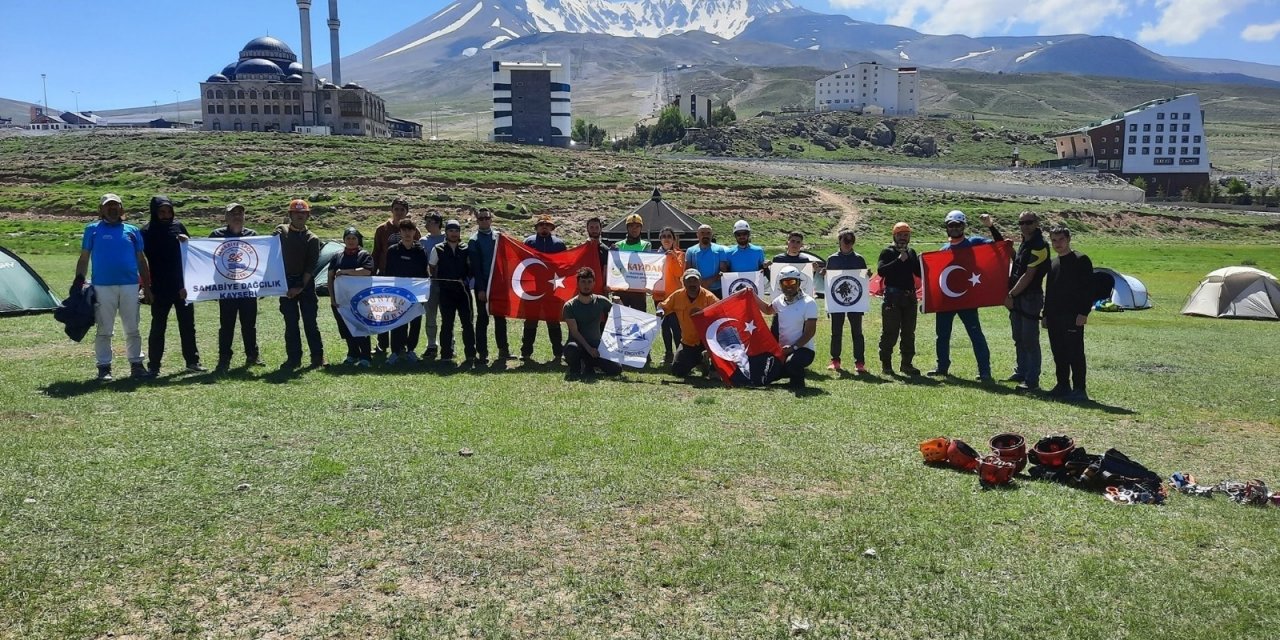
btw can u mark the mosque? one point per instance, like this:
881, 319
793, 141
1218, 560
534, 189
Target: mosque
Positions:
268, 89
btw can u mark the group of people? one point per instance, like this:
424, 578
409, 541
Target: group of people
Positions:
1053, 292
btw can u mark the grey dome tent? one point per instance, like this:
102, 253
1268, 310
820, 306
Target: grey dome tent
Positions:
321, 270
1127, 292
22, 290
657, 213
1236, 292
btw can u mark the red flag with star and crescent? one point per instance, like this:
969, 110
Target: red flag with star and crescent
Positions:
969, 277
734, 333
530, 284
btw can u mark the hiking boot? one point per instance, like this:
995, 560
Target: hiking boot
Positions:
910, 370
289, 365
835, 365
196, 367
1059, 391
447, 356
1027, 388
393, 358
1015, 378
411, 357
223, 366
430, 353
504, 355
987, 379
256, 361
104, 373
364, 363
886, 367
349, 360
861, 368
937, 373
1077, 395
139, 372
318, 363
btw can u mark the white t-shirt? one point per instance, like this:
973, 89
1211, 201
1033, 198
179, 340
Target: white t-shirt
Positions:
791, 318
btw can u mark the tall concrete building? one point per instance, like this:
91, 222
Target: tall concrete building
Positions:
531, 103
869, 87
268, 89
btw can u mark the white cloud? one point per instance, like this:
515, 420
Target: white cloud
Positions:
985, 17
1261, 32
1185, 21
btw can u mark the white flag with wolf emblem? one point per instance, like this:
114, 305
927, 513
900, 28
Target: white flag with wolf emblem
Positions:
847, 291
628, 336
735, 281
372, 305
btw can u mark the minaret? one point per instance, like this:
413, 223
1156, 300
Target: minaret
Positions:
335, 55
308, 74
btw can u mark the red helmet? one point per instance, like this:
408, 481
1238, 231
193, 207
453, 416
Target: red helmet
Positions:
1052, 451
994, 470
935, 449
962, 456
1011, 447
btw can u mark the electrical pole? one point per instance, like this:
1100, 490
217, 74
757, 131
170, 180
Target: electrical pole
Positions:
77, 100
176, 107
45, 88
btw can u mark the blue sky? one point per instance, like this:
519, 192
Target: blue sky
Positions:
127, 53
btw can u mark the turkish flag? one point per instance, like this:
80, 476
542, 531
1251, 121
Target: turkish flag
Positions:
737, 336
529, 284
969, 277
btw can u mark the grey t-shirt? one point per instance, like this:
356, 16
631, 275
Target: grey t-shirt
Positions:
589, 316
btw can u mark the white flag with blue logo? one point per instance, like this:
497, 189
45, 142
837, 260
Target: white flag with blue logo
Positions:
735, 281
373, 305
224, 269
847, 291
628, 336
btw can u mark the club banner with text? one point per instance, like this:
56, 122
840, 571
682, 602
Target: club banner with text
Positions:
251, 267
847, 291
635, 270
373, 305
965, 278
529, 284
735, 281
628, 336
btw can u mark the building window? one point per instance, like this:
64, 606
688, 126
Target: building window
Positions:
253, 109
239, 127
1173, 116
1163, 161
1133, 139
1133, 151
241, 109
328, 110
1146, 139
253, 94
208, 94
1133, 127
1186, 116
211, 109
1159, 151
1195, 139
1115, 152
1186, 127
1160, 116
1159, 127
218, 94
1146, 126
1146, 151
1195, 151
255, 127
240, 94
275, 95
1159, 139
1184, 151
219, 108
217, 126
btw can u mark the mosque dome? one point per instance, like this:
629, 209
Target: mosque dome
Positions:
268, 48
258, 69
217, 77
294, 78
294, 67
230, 71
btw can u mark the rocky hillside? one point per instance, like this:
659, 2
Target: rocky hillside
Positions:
848, 136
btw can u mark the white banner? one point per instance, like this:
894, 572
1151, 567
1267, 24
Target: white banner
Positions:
373, 305
628, 336
847, 291
635, 270
218, 269
806, 280
731, 283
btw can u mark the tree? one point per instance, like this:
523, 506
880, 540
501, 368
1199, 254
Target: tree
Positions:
579, 132
670, 127
1140, 183
723, 115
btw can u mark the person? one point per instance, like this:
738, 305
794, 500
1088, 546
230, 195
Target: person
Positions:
585, 316
163, 237
1025, 300
899, 266
406, 259
483, 243
353, 261
956, 222
706, 257
385, 236
797, 314
595, 232
637, 300
743, 256
301, 250
792, 255
434, 236
683, 304
229, 309
116, 251
843, 259
1067, 303
545, 241
669, 244
450, 264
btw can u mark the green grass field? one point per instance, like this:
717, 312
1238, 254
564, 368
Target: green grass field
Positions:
335, 504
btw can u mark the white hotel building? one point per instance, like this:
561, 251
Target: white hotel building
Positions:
869, 87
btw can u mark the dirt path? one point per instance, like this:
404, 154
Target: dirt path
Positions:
850, 213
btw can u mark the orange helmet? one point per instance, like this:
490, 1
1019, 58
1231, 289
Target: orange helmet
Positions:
901, 226
935, 449
1011, 447
962, 456
299, 204
994, 471
1052, 451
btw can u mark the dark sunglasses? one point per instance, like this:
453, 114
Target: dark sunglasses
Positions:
954, 224
484, 218
788, 281
1023, 223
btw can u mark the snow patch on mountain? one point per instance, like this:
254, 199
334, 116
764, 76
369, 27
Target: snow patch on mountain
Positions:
1027, 55
974, 54
496, 41
457, 24
650, 18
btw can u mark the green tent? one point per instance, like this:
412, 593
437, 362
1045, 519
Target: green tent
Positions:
22, 290
321, 270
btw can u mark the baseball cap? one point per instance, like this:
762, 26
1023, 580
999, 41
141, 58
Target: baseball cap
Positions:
956, 215
704, 226
634, 219
691, 273
901, 226
453, 224
110, 197
299, 204
741, 225
233, 206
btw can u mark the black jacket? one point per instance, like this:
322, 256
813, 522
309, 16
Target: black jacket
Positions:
163, 250
76, 312
1069, 286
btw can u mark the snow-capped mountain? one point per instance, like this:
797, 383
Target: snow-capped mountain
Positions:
650, 18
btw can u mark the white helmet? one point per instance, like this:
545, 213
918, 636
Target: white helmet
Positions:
956, 215
741, 225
